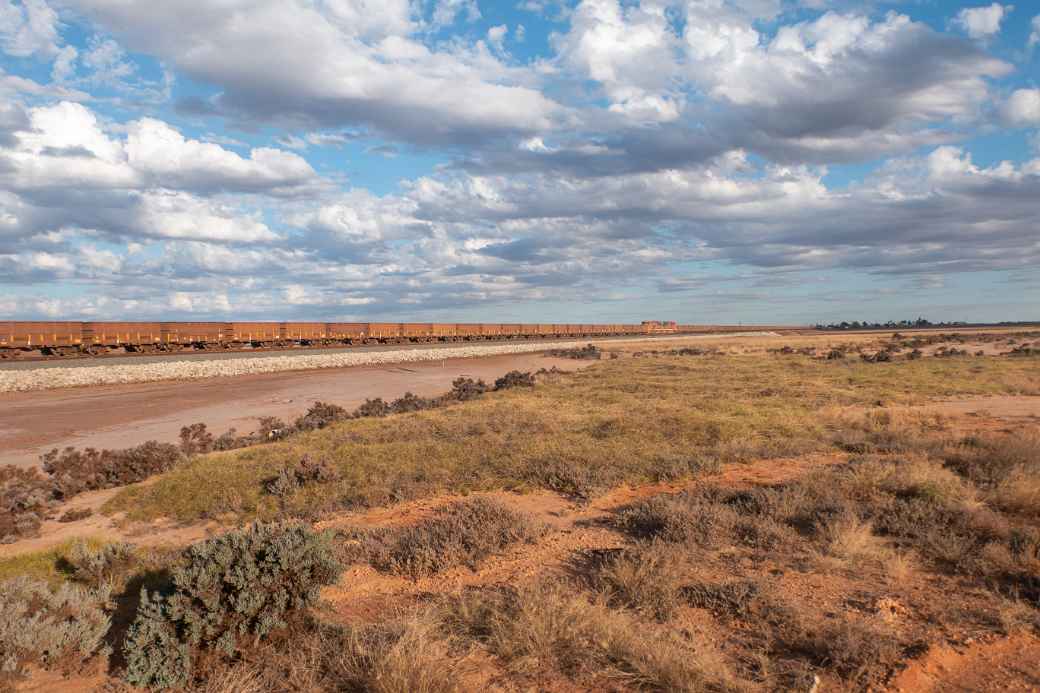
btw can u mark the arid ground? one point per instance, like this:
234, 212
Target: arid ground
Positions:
814, 512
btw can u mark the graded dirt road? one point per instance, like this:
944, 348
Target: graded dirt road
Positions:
120, 416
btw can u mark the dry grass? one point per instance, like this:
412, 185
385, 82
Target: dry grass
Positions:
622, 421
547, 627
648, 578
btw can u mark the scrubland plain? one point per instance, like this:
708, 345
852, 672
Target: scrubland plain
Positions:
820, 512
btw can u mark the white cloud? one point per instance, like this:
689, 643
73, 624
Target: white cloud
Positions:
1034, 35
302, 62
629, 51
168, 214
64, 64
171, 160
28, 28
983, 22
496, 36
1023, 108
445, 12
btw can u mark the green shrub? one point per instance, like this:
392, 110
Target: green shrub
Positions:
51, 629
241, 584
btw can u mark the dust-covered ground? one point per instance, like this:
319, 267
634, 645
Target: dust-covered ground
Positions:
787, 513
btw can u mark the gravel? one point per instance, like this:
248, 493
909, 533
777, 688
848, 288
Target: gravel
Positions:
49, 378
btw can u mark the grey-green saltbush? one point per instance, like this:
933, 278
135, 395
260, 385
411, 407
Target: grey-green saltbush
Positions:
237, 586
49, 628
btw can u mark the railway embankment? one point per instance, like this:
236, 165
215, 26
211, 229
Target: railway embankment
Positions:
172, 368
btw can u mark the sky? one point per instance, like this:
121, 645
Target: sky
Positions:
706, 161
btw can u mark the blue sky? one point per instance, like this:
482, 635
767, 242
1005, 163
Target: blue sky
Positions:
698, 160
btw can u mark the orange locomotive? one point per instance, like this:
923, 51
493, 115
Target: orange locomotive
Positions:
70, 338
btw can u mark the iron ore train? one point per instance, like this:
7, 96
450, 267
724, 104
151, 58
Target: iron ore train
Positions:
95, 338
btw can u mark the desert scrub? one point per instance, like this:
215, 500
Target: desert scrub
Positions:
241, 585
621, 421
75, 471
549, 627
462, 533
26, 498
58, 628
106, 565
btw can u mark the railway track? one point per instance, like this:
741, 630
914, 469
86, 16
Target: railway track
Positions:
115, 353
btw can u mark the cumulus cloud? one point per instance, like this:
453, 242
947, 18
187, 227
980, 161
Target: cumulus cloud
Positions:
1023, 108
1034, 35
629, 51
309, 63
983, 22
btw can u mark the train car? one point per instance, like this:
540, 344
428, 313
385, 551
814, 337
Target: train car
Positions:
417, 331
490, 330
528, 331
199, 334
467, 330
255, 333
347, 332
384, 331
305, 333
445, 331
51, 337
132, 336
511, 331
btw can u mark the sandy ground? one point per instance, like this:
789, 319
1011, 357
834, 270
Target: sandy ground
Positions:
120, 416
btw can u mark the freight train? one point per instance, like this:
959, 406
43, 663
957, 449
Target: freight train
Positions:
95, 338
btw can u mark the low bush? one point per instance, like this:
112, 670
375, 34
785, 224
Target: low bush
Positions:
56, 630
196, 439
75, 471
320, 415
26, 499
514, 379
241, 585
589, 352
465, 389
462, 533
292, 477
410, 402
373, 407
106, 565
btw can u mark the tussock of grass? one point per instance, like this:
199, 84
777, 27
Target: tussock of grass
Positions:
549, 627
622, 421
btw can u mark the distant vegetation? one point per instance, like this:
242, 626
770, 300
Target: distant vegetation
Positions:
910, 324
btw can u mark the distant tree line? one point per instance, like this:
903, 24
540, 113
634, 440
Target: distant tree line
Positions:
890, 325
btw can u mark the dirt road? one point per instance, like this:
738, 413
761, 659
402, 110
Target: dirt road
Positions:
119, 416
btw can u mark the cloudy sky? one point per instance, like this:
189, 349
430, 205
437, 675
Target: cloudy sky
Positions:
698, 160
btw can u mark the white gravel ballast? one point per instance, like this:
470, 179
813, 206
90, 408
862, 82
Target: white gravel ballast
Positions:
55, 377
